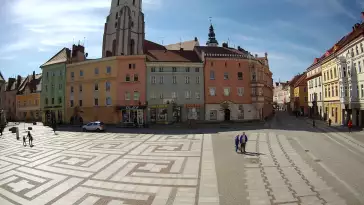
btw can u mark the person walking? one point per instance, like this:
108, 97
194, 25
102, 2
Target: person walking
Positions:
237, 141
30, 137
350, 125
243, 141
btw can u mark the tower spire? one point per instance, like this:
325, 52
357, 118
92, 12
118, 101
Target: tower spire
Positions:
212, 39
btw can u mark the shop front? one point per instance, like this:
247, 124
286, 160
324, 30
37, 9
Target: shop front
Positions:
53, 114
161, 114
194, 112
132, 116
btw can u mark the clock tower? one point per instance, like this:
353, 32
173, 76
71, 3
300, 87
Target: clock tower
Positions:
124, 30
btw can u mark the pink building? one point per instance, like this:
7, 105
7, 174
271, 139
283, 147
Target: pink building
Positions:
131, 90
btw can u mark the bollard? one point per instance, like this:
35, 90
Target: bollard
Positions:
17, 133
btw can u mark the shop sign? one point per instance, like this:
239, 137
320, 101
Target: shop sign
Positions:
132, 107
192, 105
158, 106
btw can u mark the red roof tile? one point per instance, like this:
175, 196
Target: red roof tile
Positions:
149, 45
300, 80
172, 56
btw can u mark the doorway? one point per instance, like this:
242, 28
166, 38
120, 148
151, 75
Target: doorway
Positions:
227, 115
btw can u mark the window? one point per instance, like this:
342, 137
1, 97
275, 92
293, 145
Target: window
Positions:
335, 74
212, 91
240, 75
359, 67
80, 103
108, 101
153, 69
336, 91
127, 96
116, 24
187, 69
52, 87
96, 102
161, 79
81, 73
198, 80
174, 69
187, 79
117, 15
226, 76
346, 91
59, 100
71, 103
197, 70
96, 86
226, 91
197, 95
96, 71
160, 69
344, 72
213, 114
46, 88
331, 76
161, 96
212, 64
47, 74
240, 91
324, 76
60, 86
329, 93
153, 95
71, 89
362, 90
72, 75
188, 94
361, 48
174, 95
136, 95
107, 86
174, 79
153, 79
46, 102
127, 78
212, 75
118, 2
325, 92
136, 77
80, 88
108, 69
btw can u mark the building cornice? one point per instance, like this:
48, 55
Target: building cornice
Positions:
175, 64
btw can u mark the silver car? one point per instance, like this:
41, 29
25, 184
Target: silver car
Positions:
94, 126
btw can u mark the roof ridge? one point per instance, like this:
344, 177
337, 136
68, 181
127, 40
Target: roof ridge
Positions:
59, 52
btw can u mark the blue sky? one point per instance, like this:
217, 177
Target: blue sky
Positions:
293, 32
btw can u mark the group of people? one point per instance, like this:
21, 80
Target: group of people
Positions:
30, 138
240, 142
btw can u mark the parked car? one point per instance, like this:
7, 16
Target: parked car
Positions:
94, 126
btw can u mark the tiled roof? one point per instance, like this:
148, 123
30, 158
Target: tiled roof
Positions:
172, 56
61, 57
301, 79
31, 83
149, 45
186, 45
293, 80
215, 50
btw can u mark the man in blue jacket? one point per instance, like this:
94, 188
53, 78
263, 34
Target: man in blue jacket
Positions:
243, 141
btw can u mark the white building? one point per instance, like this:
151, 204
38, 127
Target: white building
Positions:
124, 30
314, 84
350, 62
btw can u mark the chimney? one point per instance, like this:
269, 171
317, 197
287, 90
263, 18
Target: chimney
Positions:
225, 45
256, 55
78, 53
33, 75
266, 55
196, 39
18, 81
181, 49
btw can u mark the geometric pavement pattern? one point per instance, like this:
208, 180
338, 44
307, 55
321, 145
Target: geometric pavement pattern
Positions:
281, 176
107, 168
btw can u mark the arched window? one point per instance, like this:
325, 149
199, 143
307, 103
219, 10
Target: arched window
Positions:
114, 47
132, 45
133, 2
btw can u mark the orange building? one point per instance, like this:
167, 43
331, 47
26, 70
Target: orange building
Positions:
91, 91
301, 95
28, 99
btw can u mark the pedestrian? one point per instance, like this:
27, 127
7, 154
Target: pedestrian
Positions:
2, 129
237, 140
24, 141
54, 126
350, 125
30, 137
329, 121
243, 141
313, 123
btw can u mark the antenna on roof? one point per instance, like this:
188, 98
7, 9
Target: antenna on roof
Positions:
84, 41
180, 42
210, 19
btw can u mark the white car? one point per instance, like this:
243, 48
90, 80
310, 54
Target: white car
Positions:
94, 126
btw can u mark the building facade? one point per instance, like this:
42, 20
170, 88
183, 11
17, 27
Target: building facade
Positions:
268, 88
53, 87
12, 87
130, 94
301, 95
175, 89
330, 76
2, 91
124, 30
279, 95
314, 83
28, 99
90, 91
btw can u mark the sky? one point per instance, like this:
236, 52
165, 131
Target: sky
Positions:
292, 32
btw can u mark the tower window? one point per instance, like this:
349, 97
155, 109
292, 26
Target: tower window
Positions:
133, 2
132, 44
118, 2
117, 15
116, 24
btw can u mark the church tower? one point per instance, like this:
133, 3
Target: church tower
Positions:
212, 40
124, 30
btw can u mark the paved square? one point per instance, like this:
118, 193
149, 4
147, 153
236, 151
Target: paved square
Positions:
108, 168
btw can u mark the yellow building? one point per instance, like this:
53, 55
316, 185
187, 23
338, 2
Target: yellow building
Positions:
91, 91
330, 77
28, 99
301, 95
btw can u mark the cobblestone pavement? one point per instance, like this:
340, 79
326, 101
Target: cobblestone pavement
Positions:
107, 168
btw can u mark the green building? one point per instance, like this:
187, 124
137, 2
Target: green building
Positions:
52, 100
